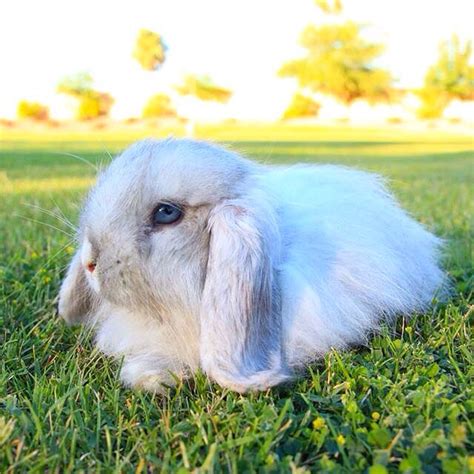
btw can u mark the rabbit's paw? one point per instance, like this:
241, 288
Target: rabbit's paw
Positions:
256, 381
155, 381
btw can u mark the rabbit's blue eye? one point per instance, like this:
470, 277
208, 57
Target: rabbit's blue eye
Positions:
166, 214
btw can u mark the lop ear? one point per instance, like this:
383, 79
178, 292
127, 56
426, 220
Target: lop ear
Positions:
75, 296
241, 335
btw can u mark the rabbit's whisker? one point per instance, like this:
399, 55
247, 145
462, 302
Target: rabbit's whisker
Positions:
45, 224
60, 218
79, 158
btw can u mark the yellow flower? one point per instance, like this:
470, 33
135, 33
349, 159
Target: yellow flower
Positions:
458, 435
46, 279
69, 250
470, 463
34, 255
341, 441
375, 415
270, 460
318, 423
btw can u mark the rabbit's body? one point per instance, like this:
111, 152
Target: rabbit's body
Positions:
346, 236
268, 268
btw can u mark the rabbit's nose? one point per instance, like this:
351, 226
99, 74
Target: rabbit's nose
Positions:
90, 265
89, 255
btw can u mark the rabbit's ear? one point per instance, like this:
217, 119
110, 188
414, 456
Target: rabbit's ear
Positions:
240, 345
75, 297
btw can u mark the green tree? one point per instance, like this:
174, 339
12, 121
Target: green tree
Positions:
301, 106
32, 110
149, 50
451, 77
204, 88
76, 84
159, 106
339, 62
91, 103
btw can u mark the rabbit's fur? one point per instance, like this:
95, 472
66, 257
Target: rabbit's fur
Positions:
268, 269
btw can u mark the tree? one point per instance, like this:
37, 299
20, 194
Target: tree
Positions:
94, 104
204, 88
301, 106
32, 110
339, 63
76, 84
159, 106
329, 7
149, 50
91, 103
451, 77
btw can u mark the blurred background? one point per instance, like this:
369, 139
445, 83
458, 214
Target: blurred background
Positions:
178, 64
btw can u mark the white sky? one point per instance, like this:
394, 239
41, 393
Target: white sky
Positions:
239, 43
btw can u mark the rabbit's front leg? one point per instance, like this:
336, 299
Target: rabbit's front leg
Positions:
148, 355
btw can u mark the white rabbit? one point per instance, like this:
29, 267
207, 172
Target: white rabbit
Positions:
191, 256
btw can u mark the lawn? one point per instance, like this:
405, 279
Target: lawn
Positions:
403, 404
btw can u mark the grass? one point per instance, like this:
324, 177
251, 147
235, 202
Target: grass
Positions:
403, 404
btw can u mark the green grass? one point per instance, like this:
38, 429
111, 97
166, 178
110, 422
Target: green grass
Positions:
403, 404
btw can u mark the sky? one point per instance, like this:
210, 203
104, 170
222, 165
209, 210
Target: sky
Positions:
239, 43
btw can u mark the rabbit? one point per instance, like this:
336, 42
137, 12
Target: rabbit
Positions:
192, 257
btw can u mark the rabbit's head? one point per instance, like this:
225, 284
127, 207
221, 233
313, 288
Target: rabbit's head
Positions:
181, 227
